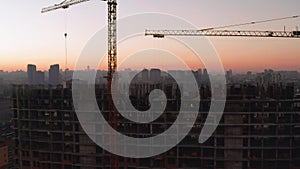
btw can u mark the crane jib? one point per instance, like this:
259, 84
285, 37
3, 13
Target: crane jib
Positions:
224, 33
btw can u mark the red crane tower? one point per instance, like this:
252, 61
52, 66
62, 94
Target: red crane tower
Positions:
112, 60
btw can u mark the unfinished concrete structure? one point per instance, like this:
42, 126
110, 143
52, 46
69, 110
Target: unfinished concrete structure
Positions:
260, 129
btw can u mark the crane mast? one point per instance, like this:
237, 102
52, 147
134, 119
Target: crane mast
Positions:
112, 67
112, 37
112, 62
212, 32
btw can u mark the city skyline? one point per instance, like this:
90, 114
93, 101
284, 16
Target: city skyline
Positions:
141, 69
147, 68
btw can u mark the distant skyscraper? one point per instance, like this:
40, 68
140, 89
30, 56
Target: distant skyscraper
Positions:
205, 76
229, 73
31, 72
155, 75
54, 74
198, 74
40, 77
145, 75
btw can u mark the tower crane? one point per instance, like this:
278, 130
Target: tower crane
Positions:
112, 46
240, 33
228, 33
212, 32
112, 59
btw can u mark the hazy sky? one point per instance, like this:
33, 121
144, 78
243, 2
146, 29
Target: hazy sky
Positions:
27, 36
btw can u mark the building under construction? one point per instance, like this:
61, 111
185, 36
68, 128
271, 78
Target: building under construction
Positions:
260, 129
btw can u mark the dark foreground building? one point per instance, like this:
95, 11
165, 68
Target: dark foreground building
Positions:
3, 156
260, 129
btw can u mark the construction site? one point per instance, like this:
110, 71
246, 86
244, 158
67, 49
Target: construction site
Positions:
260, 127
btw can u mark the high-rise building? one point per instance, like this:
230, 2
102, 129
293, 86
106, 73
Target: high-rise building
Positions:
259, 130
155, 75
205, 76
145, 75
199, 73
54, 75
229, 73
31, 73
40, 77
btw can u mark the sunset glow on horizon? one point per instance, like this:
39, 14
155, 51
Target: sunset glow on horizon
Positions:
29, 37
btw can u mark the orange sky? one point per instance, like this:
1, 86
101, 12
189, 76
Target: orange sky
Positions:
27, 36
242, 54
239, 54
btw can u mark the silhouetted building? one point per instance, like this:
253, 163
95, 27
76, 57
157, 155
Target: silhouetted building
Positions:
155, 75
31, 73
54, 75
40, 77
229, 73
145, 75
205, 76
199, 74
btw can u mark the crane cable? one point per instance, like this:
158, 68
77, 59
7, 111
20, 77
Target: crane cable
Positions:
66, 45
66, 52
252, 23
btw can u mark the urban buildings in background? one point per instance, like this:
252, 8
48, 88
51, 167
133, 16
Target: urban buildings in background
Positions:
260, 127
38, 77
24, 77
54, 76
31, 73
